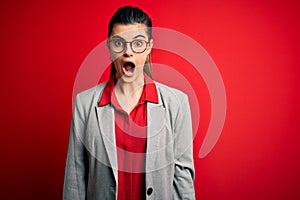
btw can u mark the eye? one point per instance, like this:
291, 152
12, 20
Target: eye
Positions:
138, 43
118, 43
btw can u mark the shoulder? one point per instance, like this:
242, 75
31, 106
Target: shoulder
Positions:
170, 95
166, 94
175, 102
90, 95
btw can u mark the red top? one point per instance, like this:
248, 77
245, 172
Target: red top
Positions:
131, 140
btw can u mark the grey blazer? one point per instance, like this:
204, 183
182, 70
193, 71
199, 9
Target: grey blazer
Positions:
91, 167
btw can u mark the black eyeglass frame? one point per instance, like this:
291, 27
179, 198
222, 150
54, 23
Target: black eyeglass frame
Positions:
125, 46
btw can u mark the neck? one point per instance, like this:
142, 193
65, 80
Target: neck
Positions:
129, 89
128, 94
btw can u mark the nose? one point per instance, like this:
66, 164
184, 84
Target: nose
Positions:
128, 51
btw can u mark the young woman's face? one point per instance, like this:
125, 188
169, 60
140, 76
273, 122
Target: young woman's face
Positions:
129, 47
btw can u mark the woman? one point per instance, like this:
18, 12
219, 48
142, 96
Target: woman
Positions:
130, 138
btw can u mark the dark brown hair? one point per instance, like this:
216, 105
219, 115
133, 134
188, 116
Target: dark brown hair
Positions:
131, 15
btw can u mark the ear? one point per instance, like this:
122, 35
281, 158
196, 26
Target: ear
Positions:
150, 46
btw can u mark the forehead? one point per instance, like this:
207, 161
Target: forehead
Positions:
129, 31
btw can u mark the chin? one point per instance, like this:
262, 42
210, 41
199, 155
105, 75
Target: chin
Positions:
127, 79
131, 79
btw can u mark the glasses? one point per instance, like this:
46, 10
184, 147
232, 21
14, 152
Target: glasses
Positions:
119, 45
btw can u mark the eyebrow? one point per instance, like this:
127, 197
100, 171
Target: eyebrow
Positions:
119, 37
139, 36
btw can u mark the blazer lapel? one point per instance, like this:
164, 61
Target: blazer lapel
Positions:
155, 123
107, 130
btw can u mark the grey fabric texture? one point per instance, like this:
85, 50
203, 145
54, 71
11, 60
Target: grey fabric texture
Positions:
91, 169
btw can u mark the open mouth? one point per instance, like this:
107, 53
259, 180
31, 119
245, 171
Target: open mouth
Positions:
128, 68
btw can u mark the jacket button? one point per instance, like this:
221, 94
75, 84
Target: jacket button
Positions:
149, 191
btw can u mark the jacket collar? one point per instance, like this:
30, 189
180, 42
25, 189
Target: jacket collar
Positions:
149, 93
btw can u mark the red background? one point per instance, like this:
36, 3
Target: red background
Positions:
255, 45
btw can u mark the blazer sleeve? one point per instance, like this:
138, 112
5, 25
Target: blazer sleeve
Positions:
75, 172
183, 183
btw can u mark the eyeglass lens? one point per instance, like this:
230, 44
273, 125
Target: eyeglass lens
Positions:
119, 46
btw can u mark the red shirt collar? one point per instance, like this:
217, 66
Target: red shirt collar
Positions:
149, 92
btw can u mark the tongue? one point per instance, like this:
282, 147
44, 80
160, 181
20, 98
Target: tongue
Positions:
127, 67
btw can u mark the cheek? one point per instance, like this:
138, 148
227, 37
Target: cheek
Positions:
114, 57
116, 60
141, 59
